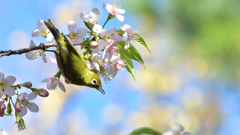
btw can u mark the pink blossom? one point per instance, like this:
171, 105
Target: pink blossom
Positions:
76, 37
24, 100
53, 82
43, 30
5, 85
112, 9
32, 55
128, 35
92, 17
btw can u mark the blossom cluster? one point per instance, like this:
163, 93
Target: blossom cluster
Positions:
22, 102
105, 52
109, 51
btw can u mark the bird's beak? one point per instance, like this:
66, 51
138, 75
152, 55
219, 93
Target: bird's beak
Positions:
101, 90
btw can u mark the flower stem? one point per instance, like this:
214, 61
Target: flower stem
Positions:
105, 22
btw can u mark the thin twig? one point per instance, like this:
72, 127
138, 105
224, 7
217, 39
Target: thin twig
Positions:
25, 50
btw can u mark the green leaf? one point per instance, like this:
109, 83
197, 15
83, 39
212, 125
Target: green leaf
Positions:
129, 64
140, 40
101, 69
131, 52
120, 31
88, 25
145, 131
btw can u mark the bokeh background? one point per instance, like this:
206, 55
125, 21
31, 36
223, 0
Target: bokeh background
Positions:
191, 77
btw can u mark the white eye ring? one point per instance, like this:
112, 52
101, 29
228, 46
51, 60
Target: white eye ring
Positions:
94, 81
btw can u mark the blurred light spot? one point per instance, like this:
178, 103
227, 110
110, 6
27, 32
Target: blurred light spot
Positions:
192, 97
18, 39
112, 114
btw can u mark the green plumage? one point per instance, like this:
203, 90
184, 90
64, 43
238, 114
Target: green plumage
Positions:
71, 64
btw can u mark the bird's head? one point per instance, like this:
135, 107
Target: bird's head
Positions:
94, 81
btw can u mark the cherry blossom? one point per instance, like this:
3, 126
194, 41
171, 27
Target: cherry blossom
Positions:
32, 55
92, 17
128, 35
53, 82
5, 85
76, 37
24, 100
117, 64
43, 30
114, 10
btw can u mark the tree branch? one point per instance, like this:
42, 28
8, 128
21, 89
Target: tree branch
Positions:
25, 50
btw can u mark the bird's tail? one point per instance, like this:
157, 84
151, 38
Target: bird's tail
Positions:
53, 29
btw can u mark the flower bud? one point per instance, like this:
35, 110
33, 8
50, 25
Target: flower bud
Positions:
94, 44
9, 108
2, 107
18, 106
27, 84
43, 93
1, 113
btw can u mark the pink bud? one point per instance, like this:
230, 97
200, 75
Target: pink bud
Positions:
18, 107
94, 44
44, 93
27, 84
2, 107
1, 113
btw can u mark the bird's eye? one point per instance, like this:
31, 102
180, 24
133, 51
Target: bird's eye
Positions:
94, 81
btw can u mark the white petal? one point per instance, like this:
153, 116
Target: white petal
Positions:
120, 18
101, 44
77, 41
115, 58
94, 14
44, 57
95, 65
114, 73
72, 26
32, 44
88, 65
49, 37
53, 60
10, 80
1, 75
117, 37
23, 96
33, 54
97, 28
105, 52
121, 11
81, 32
46, 79
177, 128
2, 132
36, 33
33, 107
32, 95
111, 31
103, 33
61, 86
1, 93
109, 70
95, 50
41, 24
23, 111
10, 91
107, 7
85, 17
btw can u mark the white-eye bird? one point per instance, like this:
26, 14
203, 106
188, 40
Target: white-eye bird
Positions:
71, 64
